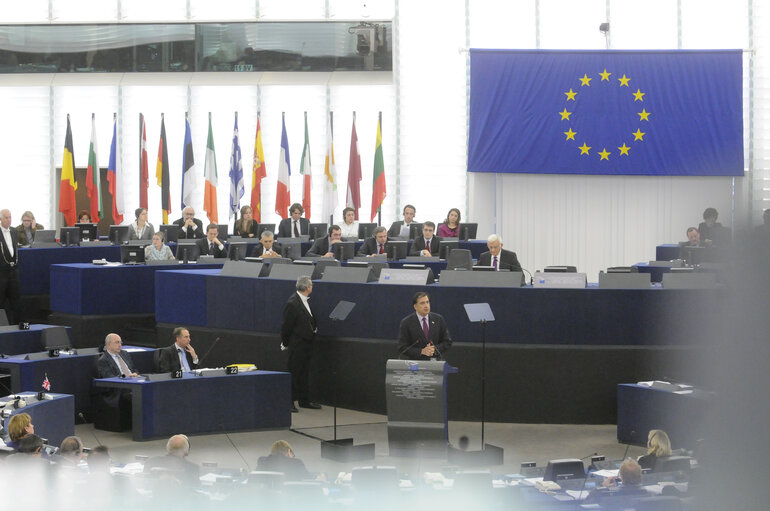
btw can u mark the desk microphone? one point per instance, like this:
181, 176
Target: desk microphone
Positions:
200, 360
406, 348
531, 278
440, 356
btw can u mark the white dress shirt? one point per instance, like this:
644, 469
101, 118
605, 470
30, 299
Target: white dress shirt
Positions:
8, 241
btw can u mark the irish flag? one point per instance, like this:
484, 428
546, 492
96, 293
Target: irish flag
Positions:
304, 169
210, 174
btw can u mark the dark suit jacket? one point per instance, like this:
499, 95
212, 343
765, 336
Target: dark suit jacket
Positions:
190, 234
245, 234
258, 249
293, 468
7, 254
370, 247
506, 261
168, 360
395, 228
297, 323
284, 228
23, 241
320, 247
187, 472
203, 244
107, 368
411, 339
419, 245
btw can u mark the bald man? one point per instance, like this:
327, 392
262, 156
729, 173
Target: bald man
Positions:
9, 262
175, 462
190, 228
114, 361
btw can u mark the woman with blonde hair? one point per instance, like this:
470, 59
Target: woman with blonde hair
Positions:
19, 426
658, 446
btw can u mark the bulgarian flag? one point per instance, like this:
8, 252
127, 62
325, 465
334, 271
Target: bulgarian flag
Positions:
304, 169
92, 175
210, 174
68, 185
258, 173
378, 177
282, 191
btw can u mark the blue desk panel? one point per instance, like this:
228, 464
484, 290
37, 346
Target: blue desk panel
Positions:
667, 252
194, 404
524, 315
69, 374
35, 263
14, 341
53, 419
90, 289
173, 292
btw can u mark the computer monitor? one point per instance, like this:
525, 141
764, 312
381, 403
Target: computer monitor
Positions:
291, 248
396, 250
118, 234
222, 232
237, 251
131, 254
468, 231
265, 227
445, 247
415, 230
318, 230
88, 232
55, 338
366, 230
344, 250
170, 233
188, 252
69, 236
44, 236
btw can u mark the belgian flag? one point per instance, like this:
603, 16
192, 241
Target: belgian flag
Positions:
68, 184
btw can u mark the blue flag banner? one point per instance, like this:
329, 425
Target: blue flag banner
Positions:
606, 112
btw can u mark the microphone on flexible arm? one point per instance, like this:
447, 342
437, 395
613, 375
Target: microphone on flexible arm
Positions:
440, 356
200, 360
531, 278
402, 351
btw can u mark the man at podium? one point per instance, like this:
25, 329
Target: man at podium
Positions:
424, 334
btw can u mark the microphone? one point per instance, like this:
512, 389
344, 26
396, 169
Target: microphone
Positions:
406, 348
531, 278
200, 360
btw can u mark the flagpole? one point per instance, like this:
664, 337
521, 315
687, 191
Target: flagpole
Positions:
379, 209
331, 135
235, 213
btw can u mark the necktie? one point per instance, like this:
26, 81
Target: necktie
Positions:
123, 366
296, 229
427, 246
381, 252
425, 328
494, 263
211, 249
183, 360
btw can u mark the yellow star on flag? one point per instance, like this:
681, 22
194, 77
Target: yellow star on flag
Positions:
639, 95
604, 155
564, 114
585, 80
624, 149
638, 135
605, 75
643, 115
624, 81
570, 134
571, 95
584, 148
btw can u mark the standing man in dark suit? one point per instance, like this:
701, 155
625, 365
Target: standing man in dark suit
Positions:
426, 245
113, 410
294, 226
297, 333
9, 261
323, 247
497, 257
179, 355
189, 226
400, 228
424, 334
210, 245
377, 244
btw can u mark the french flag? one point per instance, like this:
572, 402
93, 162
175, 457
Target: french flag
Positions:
282, 192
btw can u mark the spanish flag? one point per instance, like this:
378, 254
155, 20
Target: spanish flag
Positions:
258, 173
161, 172
68, 185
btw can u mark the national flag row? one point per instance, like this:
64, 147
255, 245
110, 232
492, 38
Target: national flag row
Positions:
68, 183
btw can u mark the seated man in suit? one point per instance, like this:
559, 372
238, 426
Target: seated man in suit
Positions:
179, 355
424, 334
401, 228
630, 474
294, 226
210, 245
322, 247
282, 459
113, 410
189, 226
497, 257
426, 245
174, 463
266, 247
693, 238
377, 244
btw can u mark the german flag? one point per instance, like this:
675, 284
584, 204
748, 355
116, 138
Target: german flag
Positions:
161, 172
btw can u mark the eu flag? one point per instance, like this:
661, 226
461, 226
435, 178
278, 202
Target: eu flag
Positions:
606, 112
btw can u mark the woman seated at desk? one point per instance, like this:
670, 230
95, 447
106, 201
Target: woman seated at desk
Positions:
158, 251
451, 226
246, 227
658, 446
19, 426
350, 225
141, 229
27, 228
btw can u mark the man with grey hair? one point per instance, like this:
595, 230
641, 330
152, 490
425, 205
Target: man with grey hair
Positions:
498, 258
189, 226
266, 247
113, 408
175, 462
297, 333
377, 244
114, 361
9, 261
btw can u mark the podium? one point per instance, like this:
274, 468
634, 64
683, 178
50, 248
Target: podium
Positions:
416, 403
